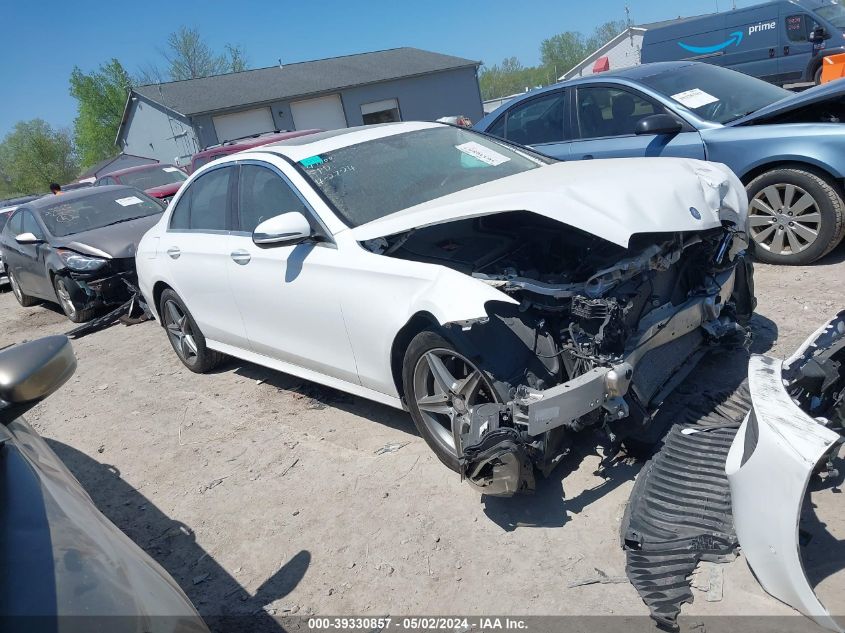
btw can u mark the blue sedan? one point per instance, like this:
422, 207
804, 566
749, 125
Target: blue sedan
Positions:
787, 148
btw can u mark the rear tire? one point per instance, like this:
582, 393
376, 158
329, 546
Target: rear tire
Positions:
23, 299
72, 311
794, 217
185, 336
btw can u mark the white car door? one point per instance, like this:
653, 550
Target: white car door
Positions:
287, 294
196, 243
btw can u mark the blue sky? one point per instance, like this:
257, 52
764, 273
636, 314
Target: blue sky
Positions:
44, 39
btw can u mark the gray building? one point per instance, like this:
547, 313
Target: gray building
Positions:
171, 121
622, 51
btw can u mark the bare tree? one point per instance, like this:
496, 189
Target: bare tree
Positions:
188, 56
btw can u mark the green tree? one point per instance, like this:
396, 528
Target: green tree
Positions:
563, 51
188, 56
33, 155
603, 34
101, 97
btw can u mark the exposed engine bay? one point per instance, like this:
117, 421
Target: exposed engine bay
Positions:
601, 334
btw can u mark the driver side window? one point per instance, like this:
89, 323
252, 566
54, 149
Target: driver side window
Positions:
797, 28
262, 195
31, 226
16, 224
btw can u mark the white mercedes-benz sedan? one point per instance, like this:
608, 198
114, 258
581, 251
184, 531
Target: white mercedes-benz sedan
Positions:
505, 299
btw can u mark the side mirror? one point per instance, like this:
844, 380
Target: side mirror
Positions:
285, 229
28, 238
819, 34
658, 124
30, 372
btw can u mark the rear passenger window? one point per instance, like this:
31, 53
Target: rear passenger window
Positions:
205, 205
537, 121
264, 195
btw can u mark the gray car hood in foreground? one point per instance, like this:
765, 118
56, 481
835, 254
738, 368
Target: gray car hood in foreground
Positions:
613, 199
829, 92
116, 241
61, 557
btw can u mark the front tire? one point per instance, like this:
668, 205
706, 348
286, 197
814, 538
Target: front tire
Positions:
74, 312
23, 299
794, 216
185, 336
439, 384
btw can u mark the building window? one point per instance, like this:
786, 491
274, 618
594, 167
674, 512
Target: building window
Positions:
385, 111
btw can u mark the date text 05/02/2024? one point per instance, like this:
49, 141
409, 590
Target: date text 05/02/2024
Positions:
476, 624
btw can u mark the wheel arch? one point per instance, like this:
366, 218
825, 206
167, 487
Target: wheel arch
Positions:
420, 321
819, 169
158, 290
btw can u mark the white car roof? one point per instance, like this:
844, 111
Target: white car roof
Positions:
315, 144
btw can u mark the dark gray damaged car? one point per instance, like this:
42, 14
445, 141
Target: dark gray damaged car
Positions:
63, 565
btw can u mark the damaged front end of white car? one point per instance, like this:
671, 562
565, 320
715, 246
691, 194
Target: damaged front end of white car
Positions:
609, 299
793, 431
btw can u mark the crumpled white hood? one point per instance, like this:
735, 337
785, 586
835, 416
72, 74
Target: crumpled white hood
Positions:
613, 199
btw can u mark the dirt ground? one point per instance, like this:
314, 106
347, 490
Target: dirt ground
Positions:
259, 492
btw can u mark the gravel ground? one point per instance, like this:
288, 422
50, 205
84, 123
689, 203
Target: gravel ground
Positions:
258, 491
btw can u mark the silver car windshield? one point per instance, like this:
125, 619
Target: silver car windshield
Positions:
715, 94
373, 179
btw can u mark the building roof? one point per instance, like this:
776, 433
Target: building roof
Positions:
263, 85
111, 164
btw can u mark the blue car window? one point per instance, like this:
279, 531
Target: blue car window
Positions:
537, 120
604, 111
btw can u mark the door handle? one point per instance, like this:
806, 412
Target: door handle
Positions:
241, 257
174, 252
786, 50
771, 52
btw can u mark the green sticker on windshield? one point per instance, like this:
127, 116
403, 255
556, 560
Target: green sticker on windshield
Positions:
311, 161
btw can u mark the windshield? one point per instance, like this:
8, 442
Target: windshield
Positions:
713, 93
156, 177
370, 180
4, 217
833, 13
97, 210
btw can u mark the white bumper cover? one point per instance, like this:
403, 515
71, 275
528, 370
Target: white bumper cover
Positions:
769, 466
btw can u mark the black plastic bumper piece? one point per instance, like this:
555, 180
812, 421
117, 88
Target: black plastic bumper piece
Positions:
680, 507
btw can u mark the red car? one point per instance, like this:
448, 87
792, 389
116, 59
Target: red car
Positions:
156, 180
238, 145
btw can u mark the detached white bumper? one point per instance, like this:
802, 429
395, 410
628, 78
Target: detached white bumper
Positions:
769, 466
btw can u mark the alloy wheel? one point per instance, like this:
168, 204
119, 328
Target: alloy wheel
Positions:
179, 331
784, 219
446, 387
64, 298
